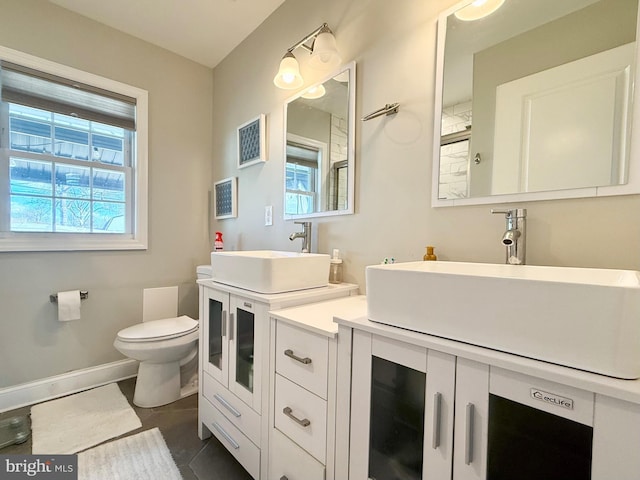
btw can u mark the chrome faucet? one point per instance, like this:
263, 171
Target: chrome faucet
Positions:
515, 238
305, 235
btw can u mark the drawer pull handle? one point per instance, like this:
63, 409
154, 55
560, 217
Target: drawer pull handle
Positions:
284, 477
289, 353
468, 447
437, 409
227, 405
227, 437
224, 323
304, 422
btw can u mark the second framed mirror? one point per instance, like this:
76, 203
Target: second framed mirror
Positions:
319, 148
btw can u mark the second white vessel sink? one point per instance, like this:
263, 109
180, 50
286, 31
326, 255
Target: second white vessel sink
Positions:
577, 317
270, 271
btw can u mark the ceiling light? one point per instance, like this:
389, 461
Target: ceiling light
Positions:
478, 9
288, 76
315, 92
324, 54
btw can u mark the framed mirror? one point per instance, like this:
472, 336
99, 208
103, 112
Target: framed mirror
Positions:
319, 144
535, 102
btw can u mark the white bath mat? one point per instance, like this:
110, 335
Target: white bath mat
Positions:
77, 422
143, 456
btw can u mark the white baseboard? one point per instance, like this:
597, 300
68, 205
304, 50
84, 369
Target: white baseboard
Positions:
66, 384
188, 390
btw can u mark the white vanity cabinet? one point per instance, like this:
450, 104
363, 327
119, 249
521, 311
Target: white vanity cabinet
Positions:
422, 407
234, 365
515, 425
402, 410
304, 378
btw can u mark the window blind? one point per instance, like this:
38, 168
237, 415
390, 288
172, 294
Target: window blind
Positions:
33, 88
302, 155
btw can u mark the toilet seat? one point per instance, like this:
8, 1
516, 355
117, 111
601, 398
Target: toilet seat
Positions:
155, 330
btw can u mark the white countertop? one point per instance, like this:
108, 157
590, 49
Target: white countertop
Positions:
318, 317
628, 390
315, 294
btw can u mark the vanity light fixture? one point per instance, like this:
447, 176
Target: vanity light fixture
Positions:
478, 9
288, 76
314, 92
324, 54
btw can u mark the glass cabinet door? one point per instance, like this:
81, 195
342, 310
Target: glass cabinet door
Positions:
215, 333
216, 342
514, 426
396, 422
244, 348
401, 410
530, 444
246, 328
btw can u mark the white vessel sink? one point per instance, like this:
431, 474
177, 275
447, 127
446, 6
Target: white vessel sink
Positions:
268, 271
578, 317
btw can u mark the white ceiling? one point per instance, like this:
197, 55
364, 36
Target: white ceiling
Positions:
202, 30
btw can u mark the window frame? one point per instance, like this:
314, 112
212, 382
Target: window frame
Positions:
39, 241
319, 193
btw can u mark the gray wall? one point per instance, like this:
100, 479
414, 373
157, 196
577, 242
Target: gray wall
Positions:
394, 44
309, 122
33, 344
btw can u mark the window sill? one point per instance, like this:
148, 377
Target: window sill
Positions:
69, 242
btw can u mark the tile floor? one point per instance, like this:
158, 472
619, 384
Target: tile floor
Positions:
178, 422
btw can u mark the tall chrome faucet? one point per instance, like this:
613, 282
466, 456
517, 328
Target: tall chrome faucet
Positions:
515, 237
305, 235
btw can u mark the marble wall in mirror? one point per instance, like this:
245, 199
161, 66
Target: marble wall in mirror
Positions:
534, 101
319, 148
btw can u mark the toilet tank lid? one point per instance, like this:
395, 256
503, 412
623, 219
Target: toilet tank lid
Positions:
159, 329
204, 271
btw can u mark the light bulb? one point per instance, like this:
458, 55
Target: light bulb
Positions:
314, 92
478, 9
288, 76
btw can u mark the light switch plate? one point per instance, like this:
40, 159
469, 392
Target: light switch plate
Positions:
268, 215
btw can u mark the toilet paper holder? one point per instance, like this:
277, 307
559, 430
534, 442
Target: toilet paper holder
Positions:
54, 297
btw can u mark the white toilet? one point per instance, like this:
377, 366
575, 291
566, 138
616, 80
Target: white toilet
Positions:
161, 346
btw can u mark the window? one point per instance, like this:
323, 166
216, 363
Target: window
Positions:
303, 175
72, 159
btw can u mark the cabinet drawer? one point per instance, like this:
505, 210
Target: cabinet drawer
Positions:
288, 460
305, 419
306, 359
237, 412
240, 446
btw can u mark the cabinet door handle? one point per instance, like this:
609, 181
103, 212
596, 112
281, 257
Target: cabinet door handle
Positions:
227, 405
227, 437
468, 443
224, 323
284, 477
231, 315
437, 409
304, 422
289, 353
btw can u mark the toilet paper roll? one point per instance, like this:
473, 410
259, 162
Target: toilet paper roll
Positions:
69, 305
